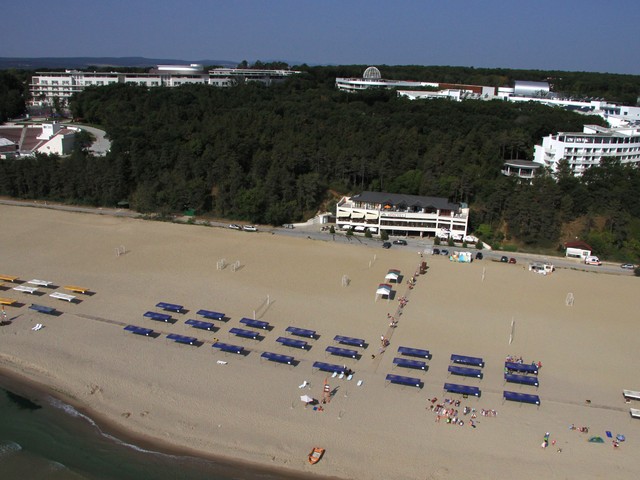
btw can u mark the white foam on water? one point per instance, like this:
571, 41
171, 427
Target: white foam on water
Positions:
68, 409
9, 448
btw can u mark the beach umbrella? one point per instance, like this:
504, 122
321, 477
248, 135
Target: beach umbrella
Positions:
306, 398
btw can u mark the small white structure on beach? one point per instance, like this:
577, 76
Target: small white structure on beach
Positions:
393, 276
383, 290
542, 268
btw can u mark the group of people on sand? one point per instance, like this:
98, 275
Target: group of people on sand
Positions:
516, 359
449, 411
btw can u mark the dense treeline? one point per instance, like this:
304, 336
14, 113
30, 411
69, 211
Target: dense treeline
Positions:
273, 155
12, 94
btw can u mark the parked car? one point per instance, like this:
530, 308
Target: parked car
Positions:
444, 251
399, 242
512, 260
249, 228
235, 227
628, 266
479, 256
289, 225
386, 245
504, 259
435, 251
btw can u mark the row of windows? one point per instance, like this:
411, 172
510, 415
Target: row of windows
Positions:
597, 140
602, 151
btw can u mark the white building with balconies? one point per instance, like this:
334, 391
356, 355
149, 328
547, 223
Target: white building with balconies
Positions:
400, 214
585, 150
47, 88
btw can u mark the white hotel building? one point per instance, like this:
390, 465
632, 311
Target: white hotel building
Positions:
586, 149
399, 214
48, 87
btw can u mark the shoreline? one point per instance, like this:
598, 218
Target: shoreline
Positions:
40, 394
249, 410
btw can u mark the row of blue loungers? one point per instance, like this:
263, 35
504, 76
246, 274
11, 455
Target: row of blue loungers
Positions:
409, 363
465, 371
523, 374
239, 332
341, 352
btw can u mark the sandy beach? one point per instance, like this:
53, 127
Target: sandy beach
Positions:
249, 409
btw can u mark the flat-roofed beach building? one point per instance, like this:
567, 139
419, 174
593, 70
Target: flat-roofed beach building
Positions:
400, 214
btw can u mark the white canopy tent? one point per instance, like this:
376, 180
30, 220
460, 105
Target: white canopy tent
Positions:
393, 276
384, 290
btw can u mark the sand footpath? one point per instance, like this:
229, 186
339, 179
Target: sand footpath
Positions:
249, 409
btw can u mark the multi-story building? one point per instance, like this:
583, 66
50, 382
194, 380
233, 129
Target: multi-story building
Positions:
399, 214
47, 88
586, 149
373, 79
226, 77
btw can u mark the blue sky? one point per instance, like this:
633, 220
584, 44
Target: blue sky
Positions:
584, 35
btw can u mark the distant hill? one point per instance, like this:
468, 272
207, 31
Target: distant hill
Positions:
84, 62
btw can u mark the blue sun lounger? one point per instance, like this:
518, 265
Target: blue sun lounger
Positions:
406, 363
172, 307
210, 315
42, 308
400, 380
249, 322
301, 332
159, 317
414, 352
329, 367
521, 397
138, 330
464, 360
465, 371
239, 332
182, 339
354, 342
521, 367
290, 342
199, 324
342, 352
462, 389
276, 357
522, 379
227, 347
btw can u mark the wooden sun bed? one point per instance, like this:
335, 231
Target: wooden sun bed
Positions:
7, 301
75, 288
8, 278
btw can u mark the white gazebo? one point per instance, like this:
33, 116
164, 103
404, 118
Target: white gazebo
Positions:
393, 276
384, 290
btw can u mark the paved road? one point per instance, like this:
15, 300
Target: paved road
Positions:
101, 145
314, 232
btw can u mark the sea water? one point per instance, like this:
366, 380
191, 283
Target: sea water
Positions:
44, 438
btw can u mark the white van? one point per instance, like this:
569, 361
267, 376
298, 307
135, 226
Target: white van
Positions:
592, 261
